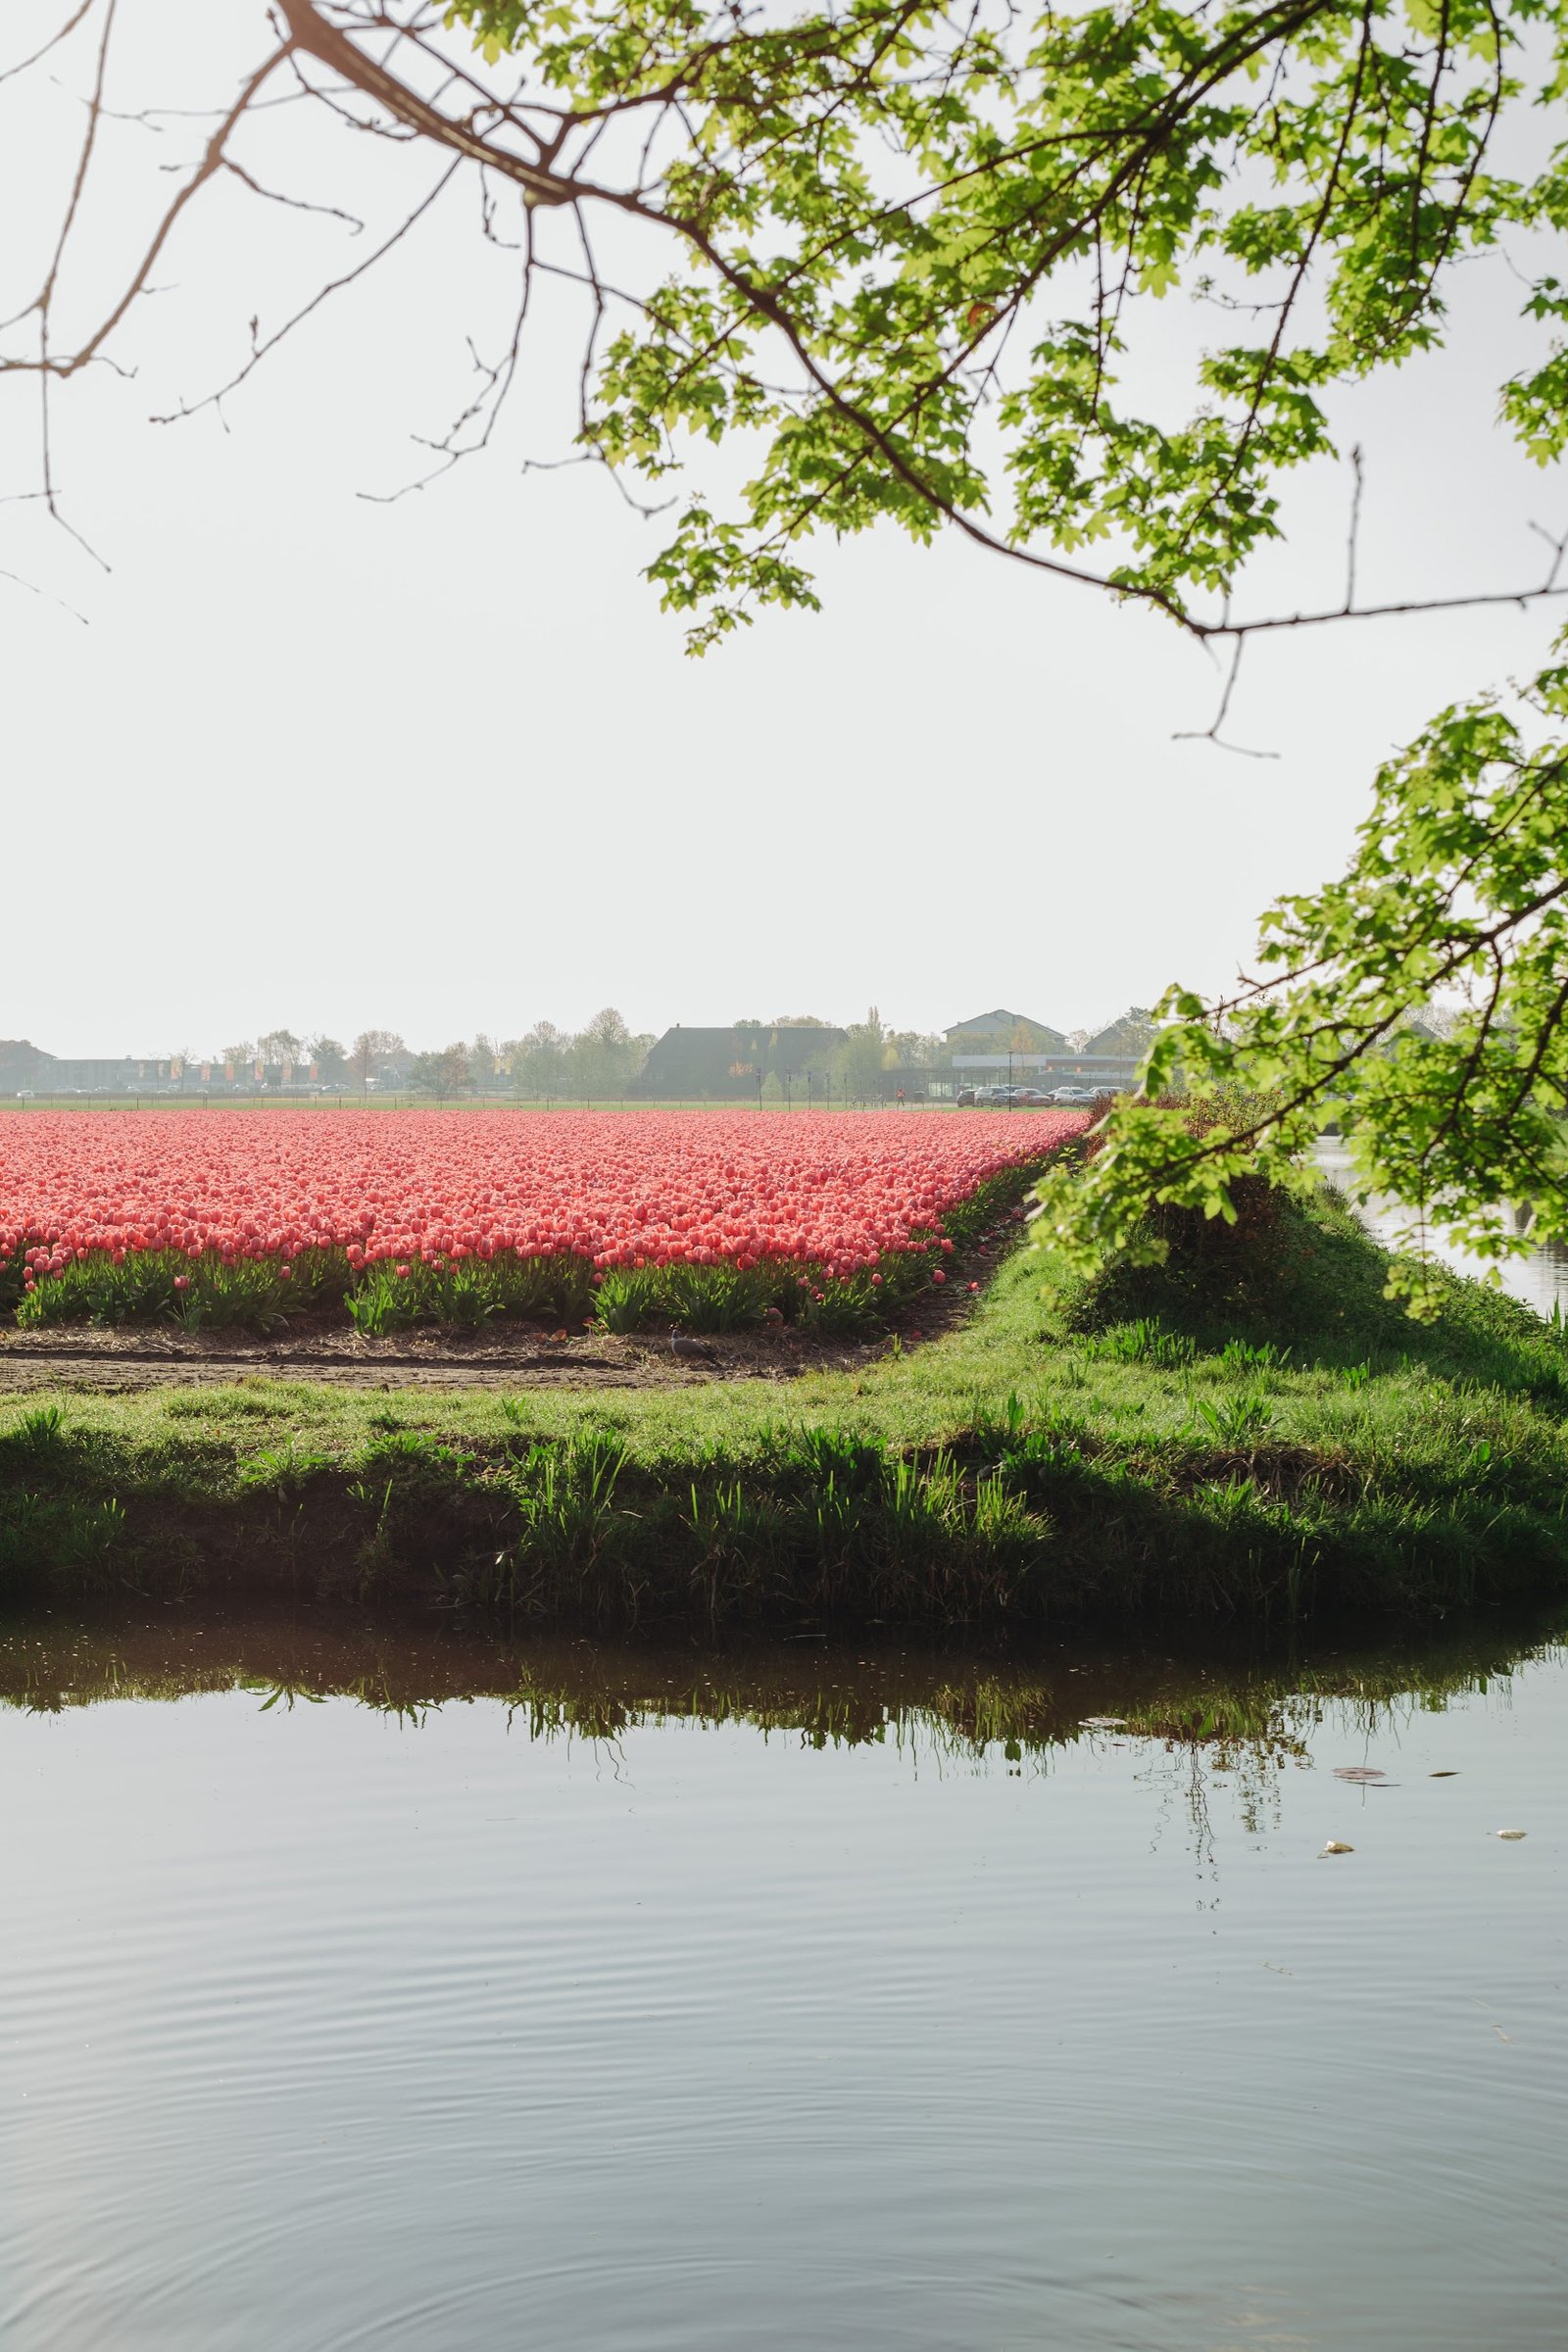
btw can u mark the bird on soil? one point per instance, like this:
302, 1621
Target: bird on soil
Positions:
687, 1351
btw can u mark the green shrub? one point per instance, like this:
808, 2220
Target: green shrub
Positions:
383, 1300
41, 1535
1246, 1355
710, 1299
252, 1295
574, 1541
204, 1292
37, 1433
282, 1470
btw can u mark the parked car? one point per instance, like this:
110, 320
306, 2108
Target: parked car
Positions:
1073, 1094
998, 1097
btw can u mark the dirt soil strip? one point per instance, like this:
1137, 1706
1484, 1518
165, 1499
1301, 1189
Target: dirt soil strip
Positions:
141, 1359
325, 1348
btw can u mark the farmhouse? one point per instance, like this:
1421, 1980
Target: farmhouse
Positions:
995, 1032
732, 1065
1001, 1045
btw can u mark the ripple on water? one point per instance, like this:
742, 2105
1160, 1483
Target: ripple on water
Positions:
322, 2034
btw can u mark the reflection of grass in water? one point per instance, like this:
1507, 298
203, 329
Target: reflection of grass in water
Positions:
1189, 1730
1246, 1717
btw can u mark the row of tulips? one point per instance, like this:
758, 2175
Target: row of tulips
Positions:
407, 1196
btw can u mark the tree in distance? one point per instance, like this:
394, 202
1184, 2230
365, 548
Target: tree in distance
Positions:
598, 1063
864, 1057
331, 1058
370, 1048
915, 259
441, 1073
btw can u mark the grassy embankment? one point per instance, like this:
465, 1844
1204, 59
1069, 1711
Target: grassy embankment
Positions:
1252, 1432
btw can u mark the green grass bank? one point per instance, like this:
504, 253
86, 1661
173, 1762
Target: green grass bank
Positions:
1248, 1433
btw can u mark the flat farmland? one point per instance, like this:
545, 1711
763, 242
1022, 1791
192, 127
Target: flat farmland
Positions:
210, 1223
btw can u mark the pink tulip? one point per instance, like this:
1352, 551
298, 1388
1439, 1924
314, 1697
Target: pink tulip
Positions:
824, 1195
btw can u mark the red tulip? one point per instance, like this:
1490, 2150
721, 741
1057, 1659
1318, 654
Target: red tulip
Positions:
832, 1192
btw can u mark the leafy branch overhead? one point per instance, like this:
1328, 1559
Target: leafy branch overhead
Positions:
914, 255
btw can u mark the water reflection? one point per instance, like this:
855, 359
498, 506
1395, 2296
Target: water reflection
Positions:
368, 1986
945, 1699
1241, 1721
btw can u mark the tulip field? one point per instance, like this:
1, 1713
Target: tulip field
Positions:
717, 1217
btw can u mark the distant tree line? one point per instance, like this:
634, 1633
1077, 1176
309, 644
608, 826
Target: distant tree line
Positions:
599, 1061
595, 1063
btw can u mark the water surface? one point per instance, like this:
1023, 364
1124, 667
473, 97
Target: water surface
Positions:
780, 2003
1540, 1277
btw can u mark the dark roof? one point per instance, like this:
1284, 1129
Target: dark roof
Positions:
1003, 1022
730, 1060
994, 1020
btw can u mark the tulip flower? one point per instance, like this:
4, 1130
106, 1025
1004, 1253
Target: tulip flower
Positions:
823, 1197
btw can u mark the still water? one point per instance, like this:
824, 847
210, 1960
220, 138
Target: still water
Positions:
548, 2000
1539, 1278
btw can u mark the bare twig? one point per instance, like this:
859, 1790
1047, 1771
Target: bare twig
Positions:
32, 588
260, 349
298, 203
67, 28
1354, 536
1211, 733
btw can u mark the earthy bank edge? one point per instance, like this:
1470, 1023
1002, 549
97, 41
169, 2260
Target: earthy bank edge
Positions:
1250, 1433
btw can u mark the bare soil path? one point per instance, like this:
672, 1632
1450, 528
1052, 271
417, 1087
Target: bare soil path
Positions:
134, 1358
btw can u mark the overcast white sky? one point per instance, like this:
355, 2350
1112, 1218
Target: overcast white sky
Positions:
444, 765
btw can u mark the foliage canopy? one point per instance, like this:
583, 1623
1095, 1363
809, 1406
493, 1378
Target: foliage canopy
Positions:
928, 243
